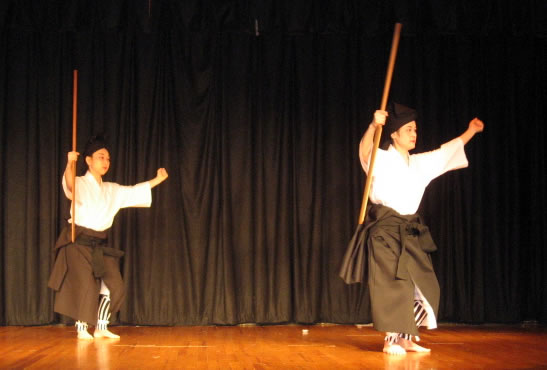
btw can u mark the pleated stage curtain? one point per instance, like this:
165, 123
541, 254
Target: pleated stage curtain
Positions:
256, 109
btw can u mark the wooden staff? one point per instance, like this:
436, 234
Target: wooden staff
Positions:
378, 132
74, 126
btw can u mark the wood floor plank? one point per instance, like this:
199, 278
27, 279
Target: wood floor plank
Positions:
269, 347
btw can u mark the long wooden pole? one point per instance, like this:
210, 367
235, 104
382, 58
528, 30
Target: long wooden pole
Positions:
378, 132
74, 128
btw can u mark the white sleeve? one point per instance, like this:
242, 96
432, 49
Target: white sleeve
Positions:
365, 162
68, 193
139, 195
450, 156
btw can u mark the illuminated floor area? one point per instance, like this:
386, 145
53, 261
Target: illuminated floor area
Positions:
270, 347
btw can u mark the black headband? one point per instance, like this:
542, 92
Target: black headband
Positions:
95, 143
398, 116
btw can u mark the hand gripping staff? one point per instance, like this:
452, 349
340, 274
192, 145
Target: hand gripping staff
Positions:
378, 132
354, 261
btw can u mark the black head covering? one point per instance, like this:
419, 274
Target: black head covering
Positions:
398, 116
95, 143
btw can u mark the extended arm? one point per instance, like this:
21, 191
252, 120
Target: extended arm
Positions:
475, 126
161, 176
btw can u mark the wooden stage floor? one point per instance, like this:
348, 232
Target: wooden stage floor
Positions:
270, 347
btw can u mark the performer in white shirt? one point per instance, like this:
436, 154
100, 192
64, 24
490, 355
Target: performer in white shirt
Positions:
404, 290
86, 276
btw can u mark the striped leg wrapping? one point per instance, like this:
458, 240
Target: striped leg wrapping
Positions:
420, 313
392, 338
81, 326
103, 314
409, 337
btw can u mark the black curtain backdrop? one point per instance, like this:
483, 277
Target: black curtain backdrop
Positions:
256, 109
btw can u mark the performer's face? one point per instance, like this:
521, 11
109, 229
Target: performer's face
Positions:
406, 136
99, 162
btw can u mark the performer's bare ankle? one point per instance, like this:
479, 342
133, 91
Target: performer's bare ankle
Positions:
409, 345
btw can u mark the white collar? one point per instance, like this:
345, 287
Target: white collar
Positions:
392, 149
89, 177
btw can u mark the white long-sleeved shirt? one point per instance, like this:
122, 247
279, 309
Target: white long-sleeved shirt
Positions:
98, 203
401, 185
